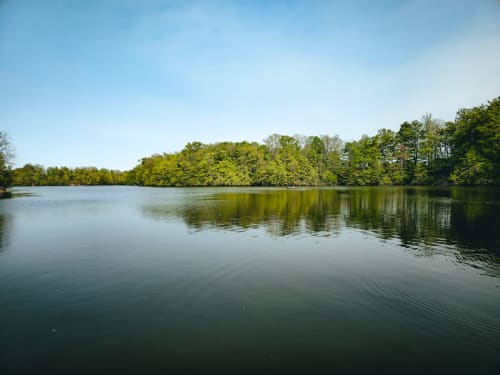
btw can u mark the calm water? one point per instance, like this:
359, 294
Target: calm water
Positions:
140, 280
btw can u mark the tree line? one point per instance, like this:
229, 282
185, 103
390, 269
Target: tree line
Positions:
37, 175
428, 151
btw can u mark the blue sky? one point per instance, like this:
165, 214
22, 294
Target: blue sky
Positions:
107, 82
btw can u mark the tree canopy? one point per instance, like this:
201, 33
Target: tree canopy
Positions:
428, 151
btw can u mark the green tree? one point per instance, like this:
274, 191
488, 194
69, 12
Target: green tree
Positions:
364, 165
28, 175
6, 158
475, 144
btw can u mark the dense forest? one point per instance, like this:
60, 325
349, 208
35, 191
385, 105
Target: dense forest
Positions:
37, 175
465, 151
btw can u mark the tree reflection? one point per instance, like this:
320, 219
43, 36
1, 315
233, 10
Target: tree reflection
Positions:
465, 218
4, 227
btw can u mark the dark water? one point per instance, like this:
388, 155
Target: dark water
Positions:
139, 280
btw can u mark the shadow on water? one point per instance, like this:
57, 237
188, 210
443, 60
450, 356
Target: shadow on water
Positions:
6, 218
426, 220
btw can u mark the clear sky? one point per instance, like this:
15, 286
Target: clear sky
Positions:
107, 82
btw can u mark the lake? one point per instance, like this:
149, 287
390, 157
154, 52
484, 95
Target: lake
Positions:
249, 280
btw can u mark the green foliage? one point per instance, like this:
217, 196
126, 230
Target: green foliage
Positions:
36, 175
475, 142
6, 156
473, 169
425, 152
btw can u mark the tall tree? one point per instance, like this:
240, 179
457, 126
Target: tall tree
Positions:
475, 144
6, 158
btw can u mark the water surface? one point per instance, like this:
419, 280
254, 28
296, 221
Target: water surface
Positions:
256, 280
